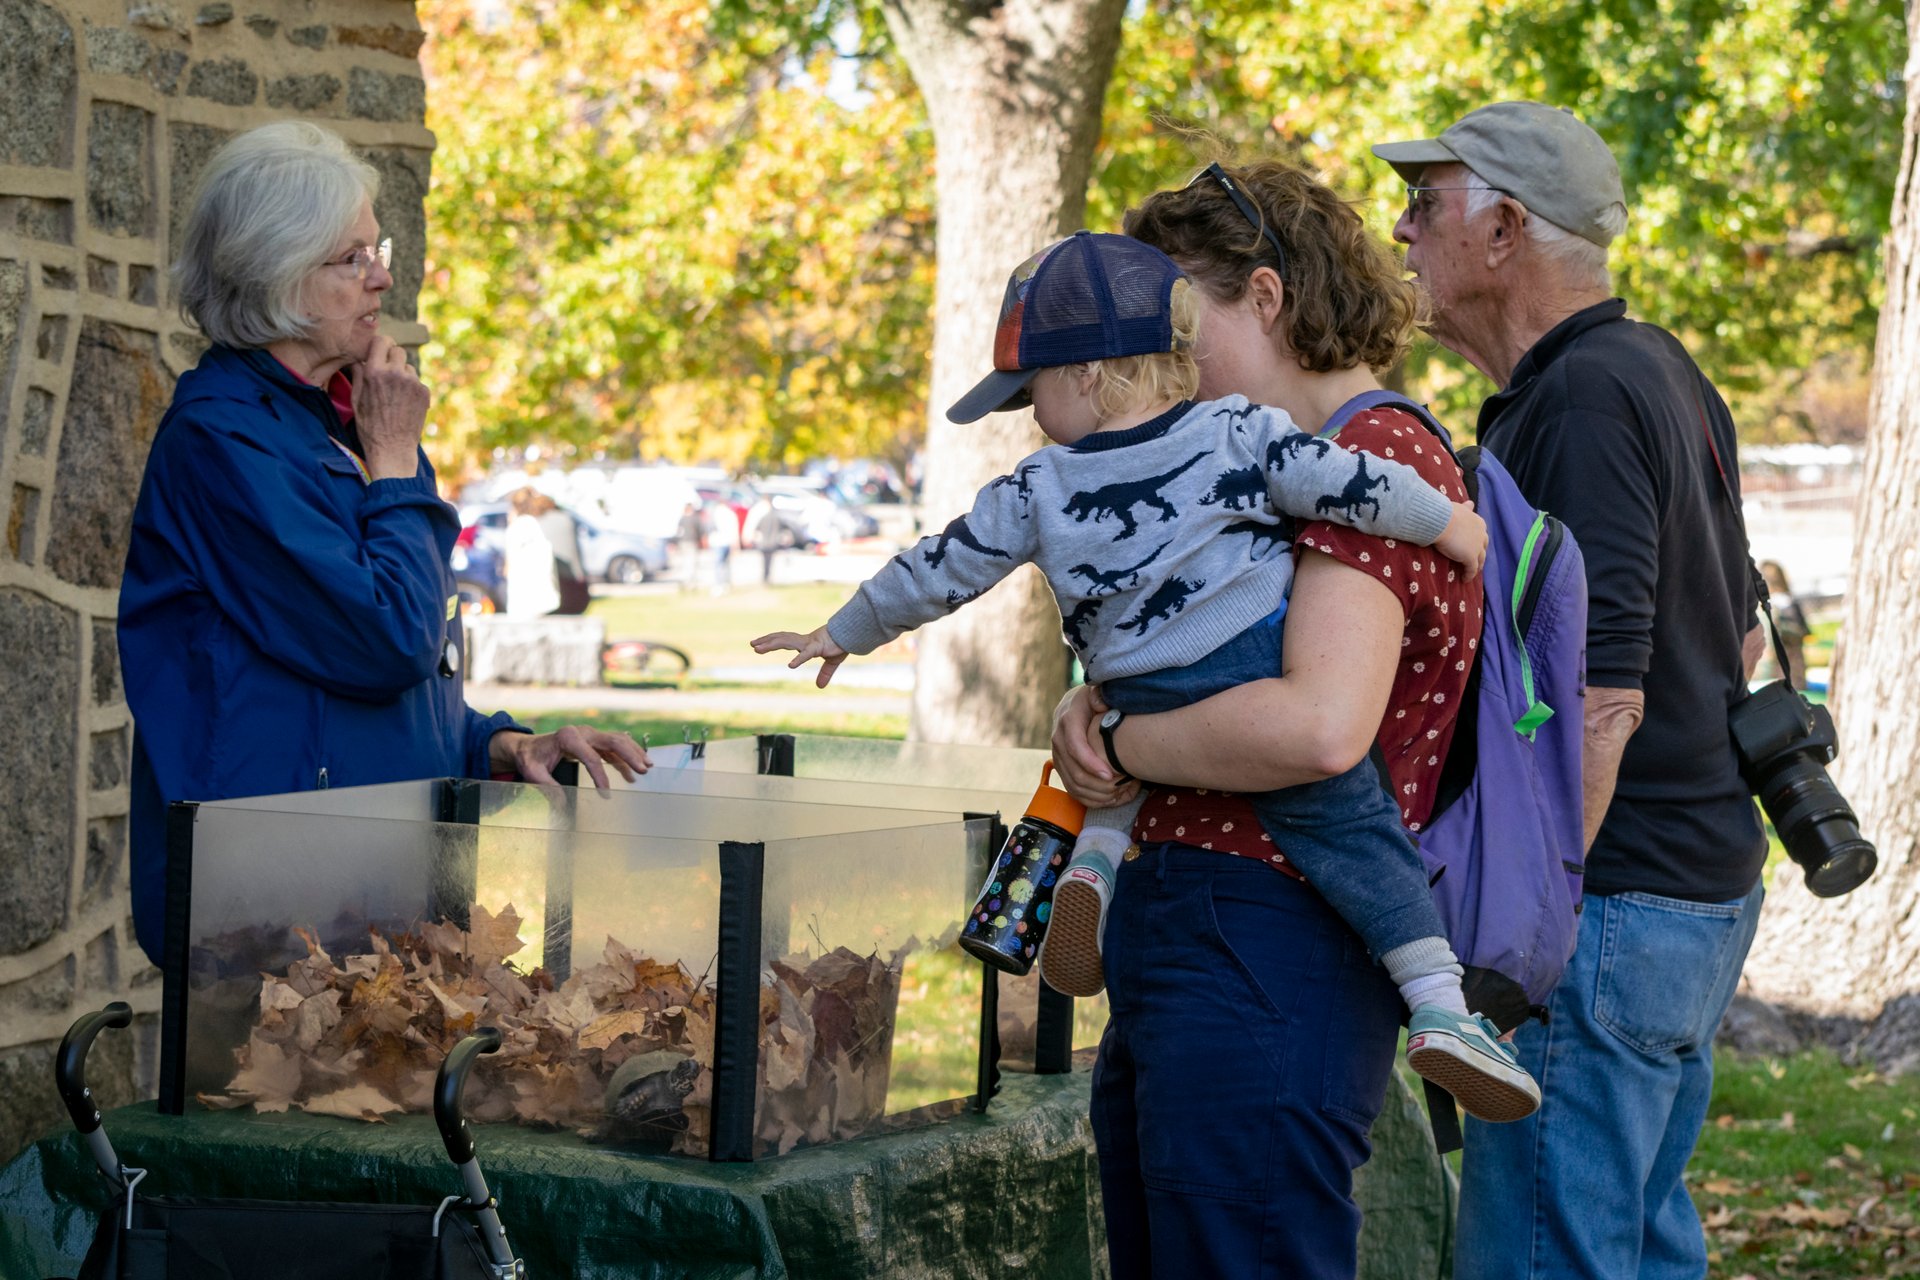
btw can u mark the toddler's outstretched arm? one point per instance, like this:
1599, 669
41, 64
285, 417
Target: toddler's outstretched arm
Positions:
814, 644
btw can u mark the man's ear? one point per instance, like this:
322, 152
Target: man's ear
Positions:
1506, 229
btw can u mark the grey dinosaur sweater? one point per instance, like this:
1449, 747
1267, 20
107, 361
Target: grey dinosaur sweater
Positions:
1161, 542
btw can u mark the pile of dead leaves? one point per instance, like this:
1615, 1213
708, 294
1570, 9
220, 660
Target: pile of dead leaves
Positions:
364, 1035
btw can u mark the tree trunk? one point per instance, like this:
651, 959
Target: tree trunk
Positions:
1852, 955
1014, 91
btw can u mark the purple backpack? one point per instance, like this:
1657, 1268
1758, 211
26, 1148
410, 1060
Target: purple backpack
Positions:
1503, 847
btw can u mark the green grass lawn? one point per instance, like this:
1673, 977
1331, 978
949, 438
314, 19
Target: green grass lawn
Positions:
1808, 1168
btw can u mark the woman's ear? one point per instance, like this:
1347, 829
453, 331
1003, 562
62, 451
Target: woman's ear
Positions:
1268, 296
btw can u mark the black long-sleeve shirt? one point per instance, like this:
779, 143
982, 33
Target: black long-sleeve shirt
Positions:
1608, 424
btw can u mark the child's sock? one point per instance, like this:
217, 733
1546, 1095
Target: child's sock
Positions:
1105, 843
1427, 973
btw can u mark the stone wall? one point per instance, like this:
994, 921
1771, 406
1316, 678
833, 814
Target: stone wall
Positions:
108, 111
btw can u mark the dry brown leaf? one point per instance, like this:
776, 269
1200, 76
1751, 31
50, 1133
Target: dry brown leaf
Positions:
603, 1031
358, 1102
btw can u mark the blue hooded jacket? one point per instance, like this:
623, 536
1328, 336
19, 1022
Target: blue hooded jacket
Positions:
285, 625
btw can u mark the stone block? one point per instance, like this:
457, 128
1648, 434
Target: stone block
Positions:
375, 95
263, 26
106, 662
227, 81
117, 51
120, 196
103, 276
402, 42
142, 285
37, 820
107, 763
535, 650
187, 349
189, 147
61, 278
100, 963
213, 15
401, 209
303, 93
13, 303
308, 37
38, 72
167, 66
118, 392
51, 342
157, 17
102, 876
36, 424
39, 994
23, 524
38, 218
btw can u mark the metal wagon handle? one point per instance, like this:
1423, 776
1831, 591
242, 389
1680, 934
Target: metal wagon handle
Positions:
70, 1077
447, 1088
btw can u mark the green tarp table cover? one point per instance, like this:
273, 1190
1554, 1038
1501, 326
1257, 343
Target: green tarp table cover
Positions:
1012, 1193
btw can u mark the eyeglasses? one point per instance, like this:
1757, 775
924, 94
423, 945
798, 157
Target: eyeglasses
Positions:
1247, 211
1416, 206
361, 259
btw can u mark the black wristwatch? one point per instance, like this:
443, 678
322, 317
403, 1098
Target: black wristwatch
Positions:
1108, 723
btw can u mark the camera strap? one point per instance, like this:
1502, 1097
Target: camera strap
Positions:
1762, 592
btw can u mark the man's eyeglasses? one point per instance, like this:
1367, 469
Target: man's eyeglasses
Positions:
1247, 211
1417, 206
361, 260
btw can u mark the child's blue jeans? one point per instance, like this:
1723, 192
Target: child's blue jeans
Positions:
1343, 833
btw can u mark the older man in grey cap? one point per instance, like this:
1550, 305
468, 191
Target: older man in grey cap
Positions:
1607, 423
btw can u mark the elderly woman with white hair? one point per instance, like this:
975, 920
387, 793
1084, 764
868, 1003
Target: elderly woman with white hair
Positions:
288, 617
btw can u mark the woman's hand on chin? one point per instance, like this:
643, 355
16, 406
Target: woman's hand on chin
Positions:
1079, 757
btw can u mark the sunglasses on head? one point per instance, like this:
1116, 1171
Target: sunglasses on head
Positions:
1247, 211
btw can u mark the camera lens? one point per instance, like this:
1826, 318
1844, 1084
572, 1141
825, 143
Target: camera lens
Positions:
1818, 827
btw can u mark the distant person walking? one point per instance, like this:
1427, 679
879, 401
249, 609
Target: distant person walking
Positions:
692, 537
1791, 621
763, 530
533, 586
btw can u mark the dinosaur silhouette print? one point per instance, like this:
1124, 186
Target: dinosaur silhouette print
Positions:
1119, 499
955, 599
1281, 452
1022, 486
1108, 582
958, 532
1169, 598
1242, 485
1072, 625
1356, 493
1237, 418
1261, 530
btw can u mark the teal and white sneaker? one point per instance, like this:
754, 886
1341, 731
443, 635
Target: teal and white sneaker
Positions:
1070, 956
1464, 1056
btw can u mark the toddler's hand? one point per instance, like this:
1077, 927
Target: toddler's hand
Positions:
1464, 539
814, 644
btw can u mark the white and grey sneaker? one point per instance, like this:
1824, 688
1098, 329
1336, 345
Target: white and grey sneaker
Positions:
1464, 1056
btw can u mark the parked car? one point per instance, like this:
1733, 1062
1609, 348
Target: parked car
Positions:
810, 512
606, 554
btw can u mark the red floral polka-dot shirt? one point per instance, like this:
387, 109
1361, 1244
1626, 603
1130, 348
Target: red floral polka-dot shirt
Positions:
1442, 632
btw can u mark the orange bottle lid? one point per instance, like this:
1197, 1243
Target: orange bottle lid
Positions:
1051, 804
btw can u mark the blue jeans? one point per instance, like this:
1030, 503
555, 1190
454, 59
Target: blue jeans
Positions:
1343, 833
1590, 1185
1248, 1054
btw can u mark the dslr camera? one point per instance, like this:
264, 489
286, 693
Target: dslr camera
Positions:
1785, 743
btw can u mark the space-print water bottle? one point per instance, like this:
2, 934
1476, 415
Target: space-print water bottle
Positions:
1009, 919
